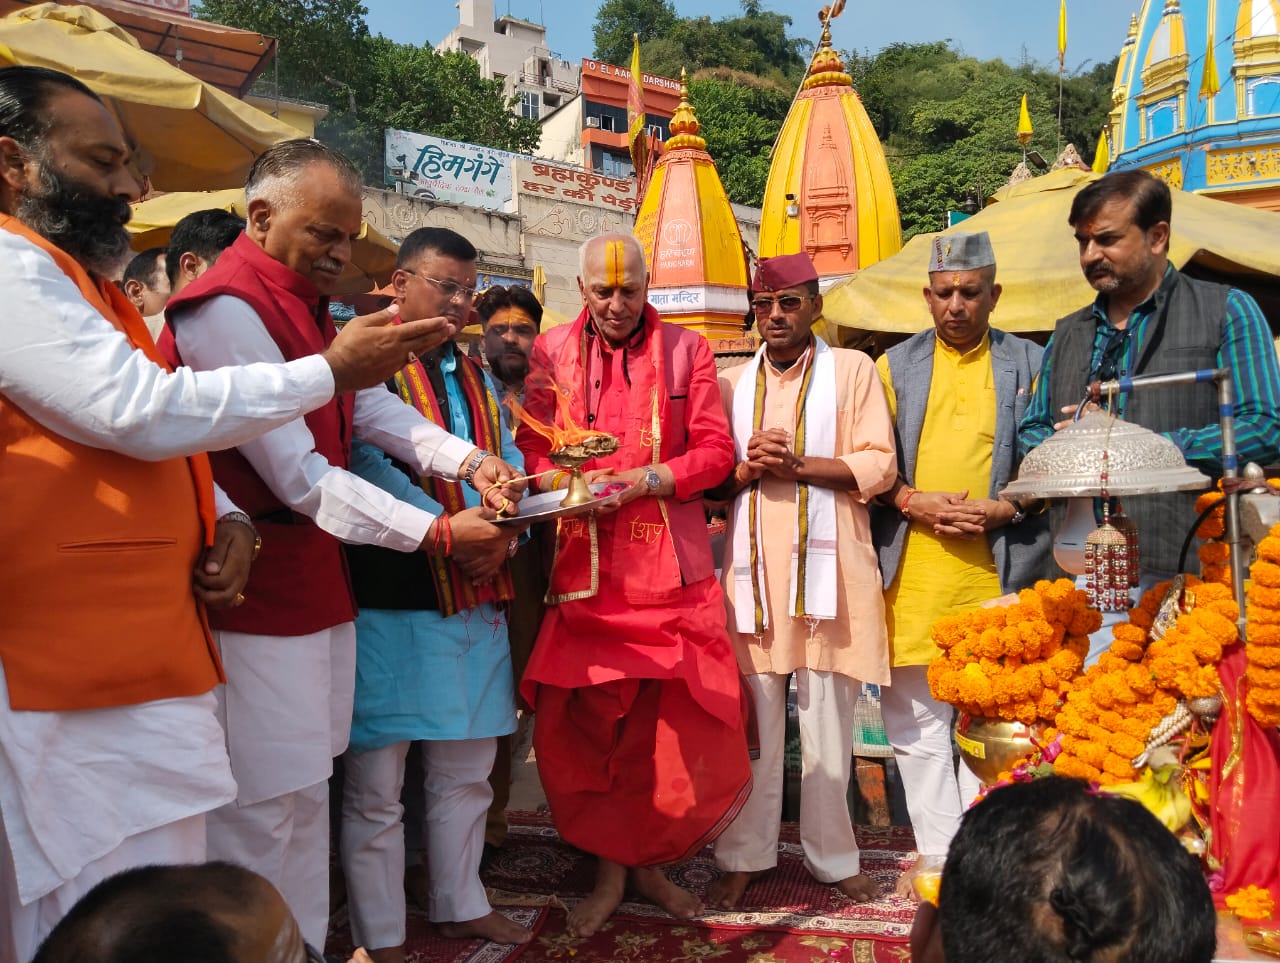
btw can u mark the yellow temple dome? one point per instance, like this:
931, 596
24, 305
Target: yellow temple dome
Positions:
697, 267
829, 193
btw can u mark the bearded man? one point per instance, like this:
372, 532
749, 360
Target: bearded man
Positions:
289, 649
114, 535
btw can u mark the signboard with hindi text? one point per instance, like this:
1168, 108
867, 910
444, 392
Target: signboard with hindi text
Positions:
578, 185
436, 169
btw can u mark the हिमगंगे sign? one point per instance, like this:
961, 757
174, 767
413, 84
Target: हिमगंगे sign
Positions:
448, 170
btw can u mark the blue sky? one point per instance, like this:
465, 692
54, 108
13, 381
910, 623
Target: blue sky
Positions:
1009, 29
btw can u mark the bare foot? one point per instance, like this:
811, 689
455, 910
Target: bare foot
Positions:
726, 892
860, 889
495, 928
589, 915
653, 885
387, 954
904, 887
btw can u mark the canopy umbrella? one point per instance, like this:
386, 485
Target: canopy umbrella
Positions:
191, 135
1038, 260
373, 256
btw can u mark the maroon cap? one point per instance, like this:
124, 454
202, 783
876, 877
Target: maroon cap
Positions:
783, 271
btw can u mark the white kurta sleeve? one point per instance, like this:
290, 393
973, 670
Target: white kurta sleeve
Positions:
386, 422
72, 371
225, 330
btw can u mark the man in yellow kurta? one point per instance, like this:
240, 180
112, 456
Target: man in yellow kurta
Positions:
814, 444
957, 392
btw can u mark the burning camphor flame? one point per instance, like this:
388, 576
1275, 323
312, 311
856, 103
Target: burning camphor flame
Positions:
559, 438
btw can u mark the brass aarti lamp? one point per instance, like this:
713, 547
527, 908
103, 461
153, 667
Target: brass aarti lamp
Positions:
573, 457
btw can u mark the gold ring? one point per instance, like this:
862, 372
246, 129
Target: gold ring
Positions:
238, 600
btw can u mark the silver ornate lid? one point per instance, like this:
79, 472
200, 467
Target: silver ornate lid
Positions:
1069, 462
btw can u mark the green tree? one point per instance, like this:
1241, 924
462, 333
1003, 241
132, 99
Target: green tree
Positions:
371, 83
740, 115
617, 21
754, 43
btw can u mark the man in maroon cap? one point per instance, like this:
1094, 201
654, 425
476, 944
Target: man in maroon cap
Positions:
814, 444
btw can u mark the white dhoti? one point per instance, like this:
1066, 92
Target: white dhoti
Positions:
919, 730
825, 701
373, 852
286, 710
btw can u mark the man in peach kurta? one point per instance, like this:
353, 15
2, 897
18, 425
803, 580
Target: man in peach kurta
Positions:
815, 444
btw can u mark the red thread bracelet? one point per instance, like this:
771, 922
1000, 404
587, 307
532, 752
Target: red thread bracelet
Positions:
905, 502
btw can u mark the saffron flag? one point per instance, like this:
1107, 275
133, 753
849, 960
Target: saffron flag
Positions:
1209, 85
1102, 156
1062, 33
1024, 124
635, 113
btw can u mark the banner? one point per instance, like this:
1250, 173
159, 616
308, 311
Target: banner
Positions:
448, 170
542, 178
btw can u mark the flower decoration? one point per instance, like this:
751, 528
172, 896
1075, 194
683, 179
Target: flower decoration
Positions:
1262, 608
1014, 661
1251, 903
1113, 708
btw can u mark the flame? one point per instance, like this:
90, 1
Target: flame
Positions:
559, 437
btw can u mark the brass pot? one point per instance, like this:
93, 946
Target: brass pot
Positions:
991, 746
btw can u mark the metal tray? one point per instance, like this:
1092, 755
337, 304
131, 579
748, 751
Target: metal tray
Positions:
540, 508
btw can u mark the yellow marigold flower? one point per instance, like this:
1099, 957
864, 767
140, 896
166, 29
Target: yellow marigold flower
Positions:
1269, 548
1265, 573
1263, 656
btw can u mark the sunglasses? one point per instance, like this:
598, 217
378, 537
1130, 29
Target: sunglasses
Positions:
763, 307
1111, 363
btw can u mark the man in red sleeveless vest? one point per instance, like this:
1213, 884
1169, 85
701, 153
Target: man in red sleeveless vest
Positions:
289, 650
110, 751
640, 728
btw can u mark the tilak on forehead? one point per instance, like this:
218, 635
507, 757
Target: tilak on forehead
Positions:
615, 264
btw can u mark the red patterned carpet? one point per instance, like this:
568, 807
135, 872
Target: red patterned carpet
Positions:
785, 918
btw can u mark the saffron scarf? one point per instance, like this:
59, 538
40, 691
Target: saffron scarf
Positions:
109, 301
455, 590
813, 581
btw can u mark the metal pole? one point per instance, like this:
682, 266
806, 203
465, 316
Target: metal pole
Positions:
1230, 462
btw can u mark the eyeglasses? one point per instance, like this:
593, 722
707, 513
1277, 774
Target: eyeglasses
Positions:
763, 307
1114, 350
452, 290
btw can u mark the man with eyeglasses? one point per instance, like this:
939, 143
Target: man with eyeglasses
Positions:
289, 646
814, 444
640, 728
433, 667
957, 392
1149, 318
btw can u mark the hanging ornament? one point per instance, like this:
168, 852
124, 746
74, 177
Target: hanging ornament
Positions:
1106, 556
1125, 525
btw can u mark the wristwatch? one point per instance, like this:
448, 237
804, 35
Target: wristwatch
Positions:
652, 480
1019, 513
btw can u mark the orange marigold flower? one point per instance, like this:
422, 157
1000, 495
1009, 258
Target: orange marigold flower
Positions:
1263, 678
1214, 553
1264, 634
1263, 596
1263, 656
1216, 573
1269, 548
1266, 714
1251, 903
1205, 499
1265, 573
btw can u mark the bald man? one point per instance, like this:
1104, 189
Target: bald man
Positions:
639, 736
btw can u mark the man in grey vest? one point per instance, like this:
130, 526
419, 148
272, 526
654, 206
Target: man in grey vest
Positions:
946, 542
1149, 319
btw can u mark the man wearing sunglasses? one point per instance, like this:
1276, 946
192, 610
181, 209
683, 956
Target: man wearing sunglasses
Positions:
288, 646
946, 542
1149, 318
814, 444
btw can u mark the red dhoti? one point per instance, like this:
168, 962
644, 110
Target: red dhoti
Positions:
640, 732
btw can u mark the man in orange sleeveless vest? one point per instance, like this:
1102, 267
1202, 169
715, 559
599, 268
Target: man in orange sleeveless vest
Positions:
110, 751
289, 651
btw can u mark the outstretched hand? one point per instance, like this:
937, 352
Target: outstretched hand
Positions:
371, 348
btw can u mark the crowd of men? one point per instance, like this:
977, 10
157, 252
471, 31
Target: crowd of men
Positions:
189, 640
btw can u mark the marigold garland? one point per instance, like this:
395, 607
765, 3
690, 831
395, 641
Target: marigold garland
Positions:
1262, 607
1014, 661
1110, 711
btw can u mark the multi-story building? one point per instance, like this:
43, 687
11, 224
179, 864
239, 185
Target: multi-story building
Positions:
591, 129
514, 51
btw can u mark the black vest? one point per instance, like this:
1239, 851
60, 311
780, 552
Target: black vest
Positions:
1184, 333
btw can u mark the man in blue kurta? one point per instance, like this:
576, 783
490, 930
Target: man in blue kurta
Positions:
432, 658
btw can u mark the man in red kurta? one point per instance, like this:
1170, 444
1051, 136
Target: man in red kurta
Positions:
640, 734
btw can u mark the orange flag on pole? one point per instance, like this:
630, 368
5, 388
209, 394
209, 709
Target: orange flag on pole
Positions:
635, 113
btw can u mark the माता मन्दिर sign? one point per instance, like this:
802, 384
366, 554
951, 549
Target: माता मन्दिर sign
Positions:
448, 170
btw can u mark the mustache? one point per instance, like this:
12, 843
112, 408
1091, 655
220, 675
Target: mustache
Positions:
328, 264
84, 223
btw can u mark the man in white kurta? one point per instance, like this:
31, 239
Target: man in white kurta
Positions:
815, 443
85, 794
288, 700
